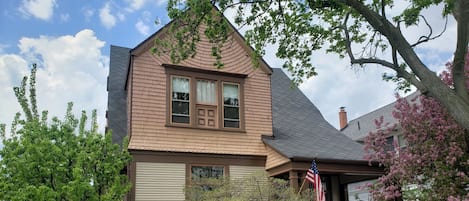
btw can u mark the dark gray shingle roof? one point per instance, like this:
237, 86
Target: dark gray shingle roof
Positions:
300, 131
360, 127
117, 96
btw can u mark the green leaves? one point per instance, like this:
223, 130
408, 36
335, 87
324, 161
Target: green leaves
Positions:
48, 160
256, 186
297, 27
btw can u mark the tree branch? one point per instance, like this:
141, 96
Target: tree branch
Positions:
401, 72
240, 3
429, 37
363, 61
383, 8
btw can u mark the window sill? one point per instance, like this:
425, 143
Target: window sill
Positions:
233, 130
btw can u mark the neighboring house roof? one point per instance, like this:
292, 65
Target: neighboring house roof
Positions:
360, 127
117, 96
300, 131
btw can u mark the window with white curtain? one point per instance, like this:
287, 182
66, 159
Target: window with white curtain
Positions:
204, 101
230, 105
180, 100
206, 92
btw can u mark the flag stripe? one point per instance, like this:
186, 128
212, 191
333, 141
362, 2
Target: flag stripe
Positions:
313, 177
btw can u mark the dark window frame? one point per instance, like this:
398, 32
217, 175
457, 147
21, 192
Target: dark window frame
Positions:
190, 180
223, 105
219, 78
172, 100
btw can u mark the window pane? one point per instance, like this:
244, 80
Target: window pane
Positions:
231, 101
180, 119
231, 105
206, 92
402, 141
230, 91
231, 112
389, 143
231, 124
202, 172
180, 96
180, 107
180, 84
180, 100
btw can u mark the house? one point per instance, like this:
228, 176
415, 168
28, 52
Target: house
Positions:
190, 120
357, 129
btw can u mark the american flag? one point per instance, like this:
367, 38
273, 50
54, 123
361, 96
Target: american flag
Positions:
313, 176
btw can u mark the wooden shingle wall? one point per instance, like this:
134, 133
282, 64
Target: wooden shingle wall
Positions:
148, 105
274, 159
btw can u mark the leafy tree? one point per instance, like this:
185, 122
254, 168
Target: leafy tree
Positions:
57, 159
341, 26
254, 187
434, 165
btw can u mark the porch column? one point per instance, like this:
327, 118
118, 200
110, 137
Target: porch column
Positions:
335, 185
293, 176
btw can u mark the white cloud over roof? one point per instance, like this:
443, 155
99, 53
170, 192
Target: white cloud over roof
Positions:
142, 24
41, 9
142, 28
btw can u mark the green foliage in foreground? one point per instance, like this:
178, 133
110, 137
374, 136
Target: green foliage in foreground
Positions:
57, 159
255, 187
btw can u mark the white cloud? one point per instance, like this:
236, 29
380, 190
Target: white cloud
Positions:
71, 68
106, 17
337, 84
121, 16
142, 23
64, 17
161, 2
135, 4
142, 28
41, 9
88, 13
3, 47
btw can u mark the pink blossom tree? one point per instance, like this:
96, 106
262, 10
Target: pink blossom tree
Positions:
435, 164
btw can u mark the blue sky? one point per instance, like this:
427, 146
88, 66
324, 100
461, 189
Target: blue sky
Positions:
117, 22
70, 42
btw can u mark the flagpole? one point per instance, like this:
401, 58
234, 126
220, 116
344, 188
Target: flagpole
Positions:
302, 185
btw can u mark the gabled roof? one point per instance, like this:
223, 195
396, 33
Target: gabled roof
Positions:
300, 131
360, 127
146, 44
117, 96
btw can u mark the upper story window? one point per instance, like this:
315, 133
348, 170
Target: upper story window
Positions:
395, 141
230, 105
180, 100
401, 141
389, 143
205, 100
